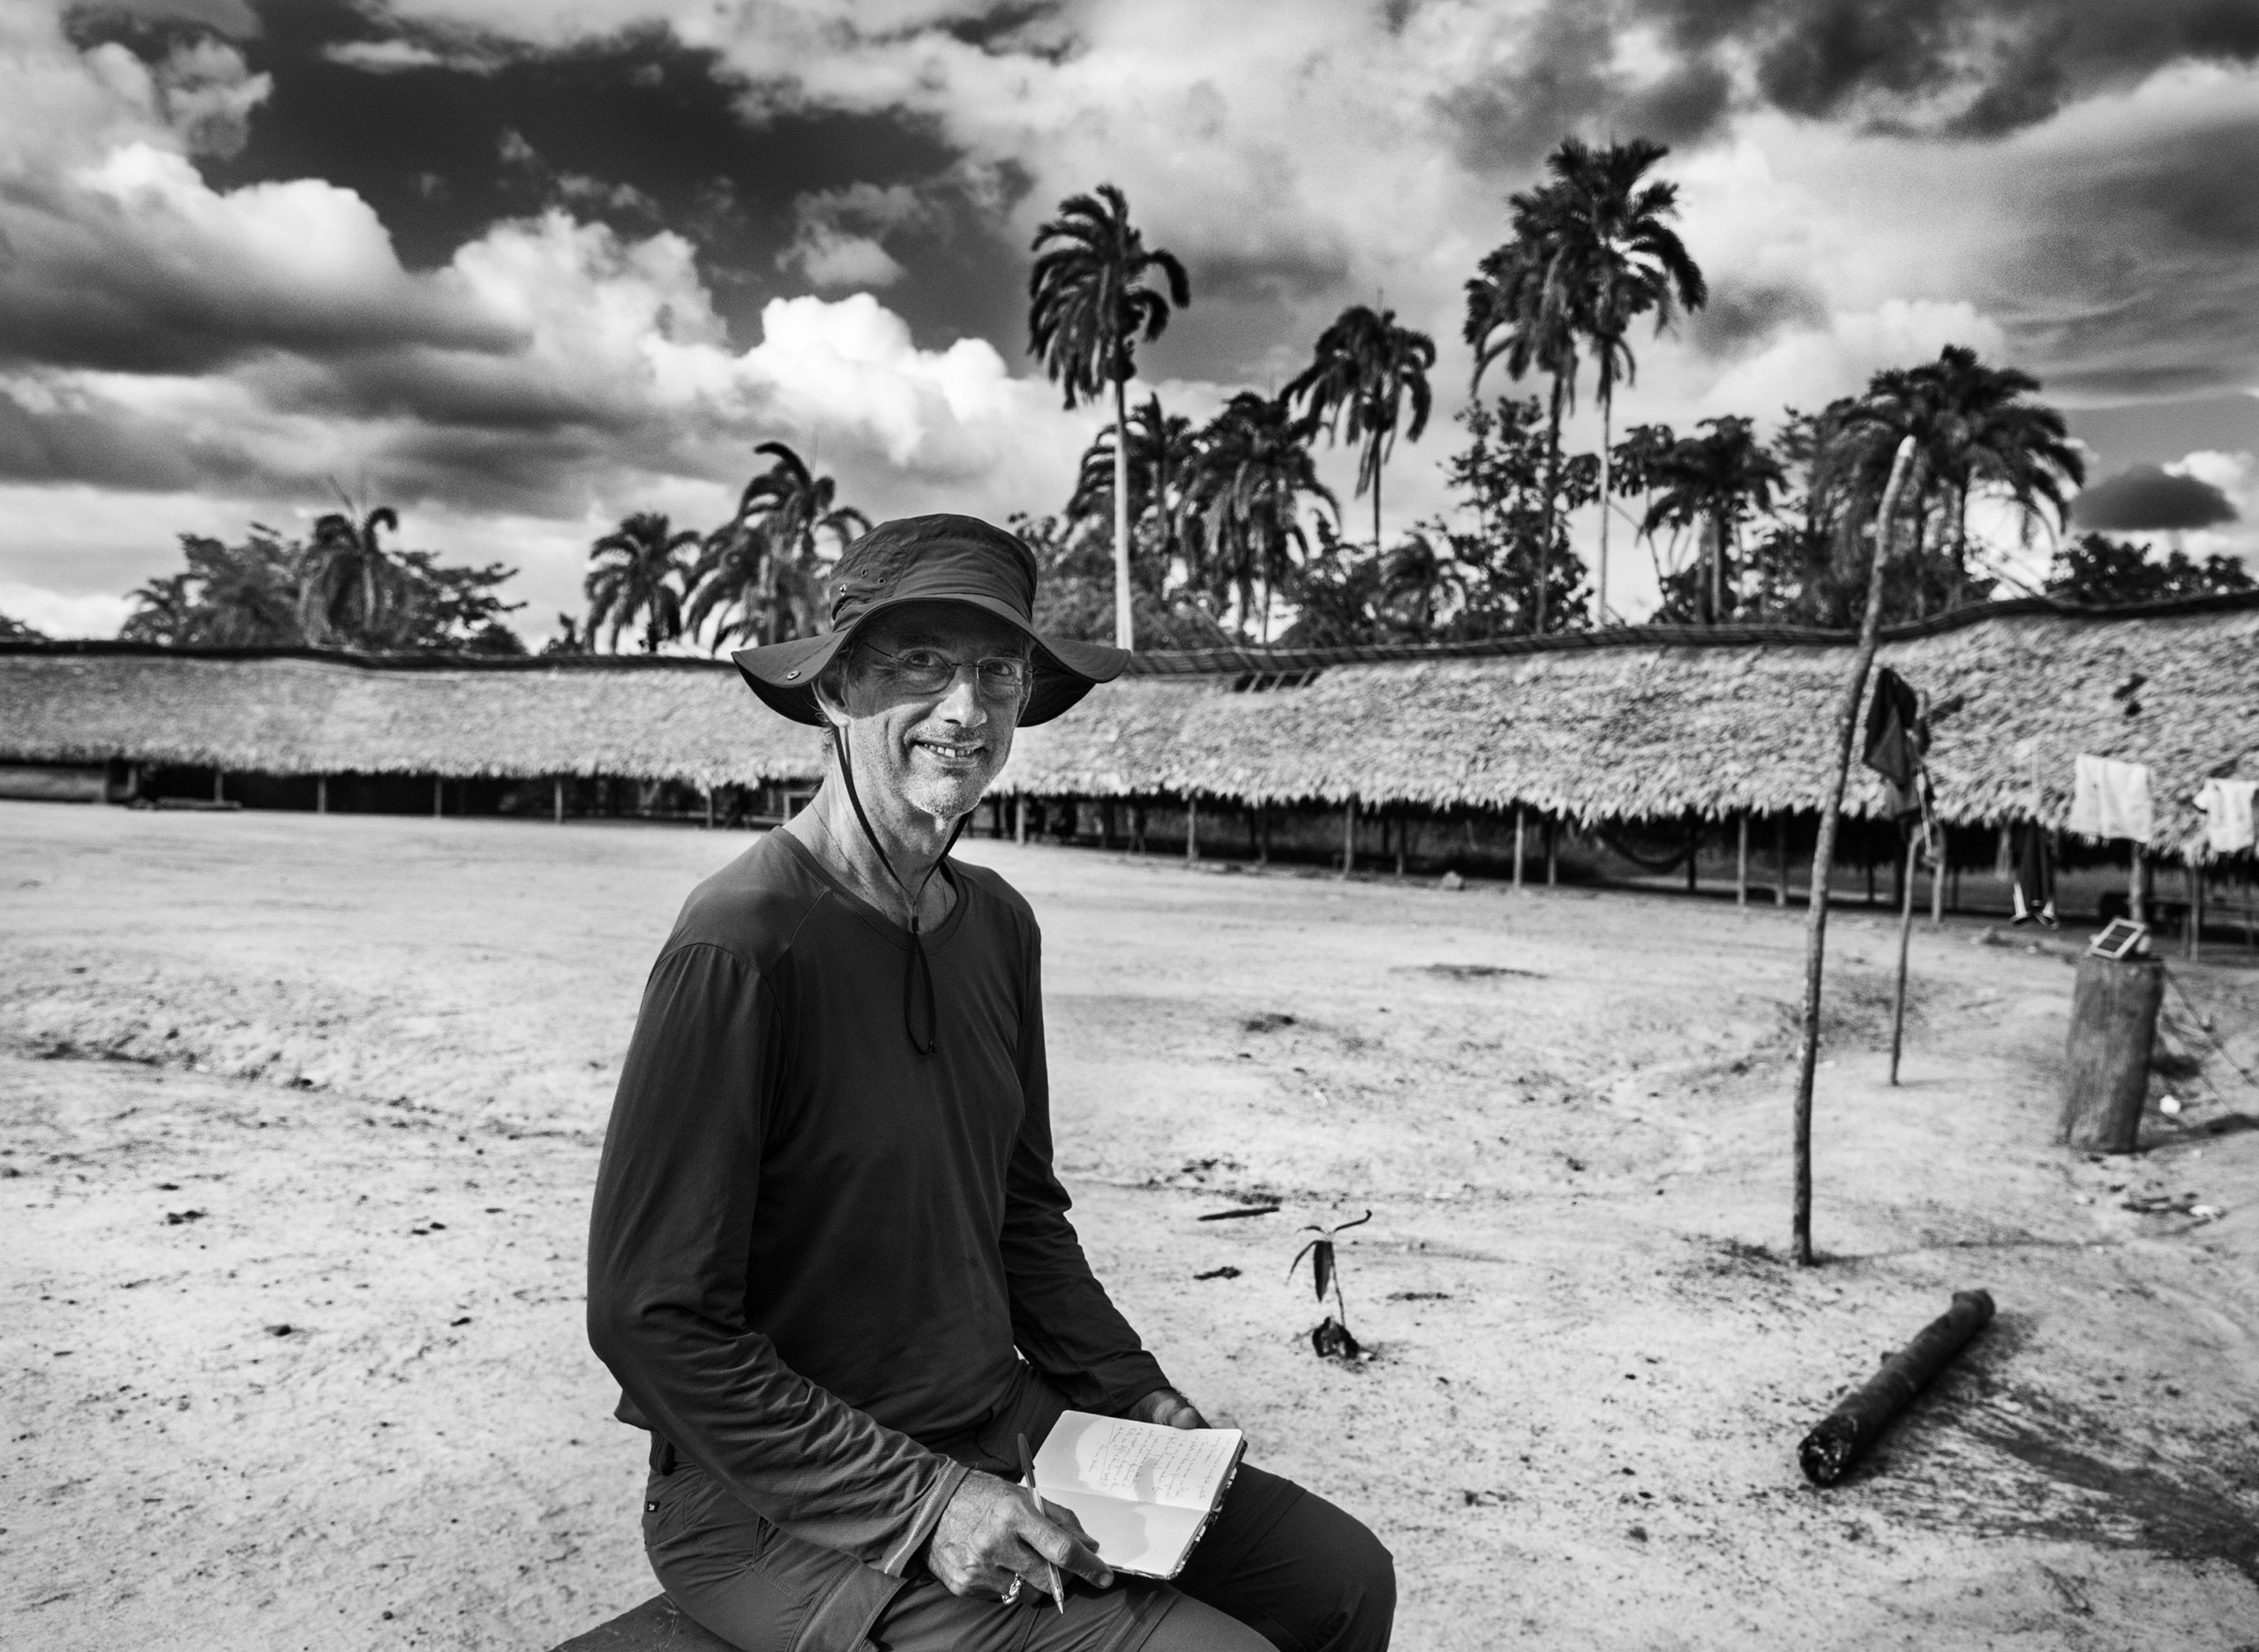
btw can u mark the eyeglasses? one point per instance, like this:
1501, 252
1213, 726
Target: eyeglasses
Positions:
928, 671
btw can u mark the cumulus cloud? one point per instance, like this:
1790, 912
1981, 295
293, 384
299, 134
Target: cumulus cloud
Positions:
837, 240
2148, 497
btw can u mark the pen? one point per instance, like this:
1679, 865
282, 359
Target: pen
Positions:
1050, 1573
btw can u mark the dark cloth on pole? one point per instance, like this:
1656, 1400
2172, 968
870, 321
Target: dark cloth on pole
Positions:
1896, 736
1276, 1557
815, 1248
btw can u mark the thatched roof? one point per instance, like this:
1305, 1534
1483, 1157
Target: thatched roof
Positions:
1638, 722
300, 711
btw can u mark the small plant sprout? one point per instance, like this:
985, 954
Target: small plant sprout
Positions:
1329, 1339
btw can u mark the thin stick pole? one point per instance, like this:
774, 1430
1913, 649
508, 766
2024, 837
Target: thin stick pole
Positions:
1552, 849
1741, 864
1780, 860
1019, 819
710, 808
1262, 830
1905, 935
557, 796
219, 786
2193, 872
1401, 823
1518, 825
321, 795
1693, 851
1937, 880
438, 797
1191, 827
1823, 860
1349, 837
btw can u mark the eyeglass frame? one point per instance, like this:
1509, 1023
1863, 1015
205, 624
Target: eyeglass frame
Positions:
1021, 663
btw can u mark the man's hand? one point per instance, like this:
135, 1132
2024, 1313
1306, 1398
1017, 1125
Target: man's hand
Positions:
1169, 1409
990, 1534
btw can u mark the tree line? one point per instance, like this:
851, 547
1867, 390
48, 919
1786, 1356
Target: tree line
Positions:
1178, 535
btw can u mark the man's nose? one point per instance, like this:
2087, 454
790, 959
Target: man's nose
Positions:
963, 703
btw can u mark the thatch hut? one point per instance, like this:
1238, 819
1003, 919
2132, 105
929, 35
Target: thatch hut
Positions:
1641, 724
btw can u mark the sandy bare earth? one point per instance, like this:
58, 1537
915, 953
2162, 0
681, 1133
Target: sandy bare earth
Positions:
299, 1116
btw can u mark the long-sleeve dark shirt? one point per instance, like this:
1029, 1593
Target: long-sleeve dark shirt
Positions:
815, 1249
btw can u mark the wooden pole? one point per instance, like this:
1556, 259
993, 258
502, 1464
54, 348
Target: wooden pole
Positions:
1905, 935
556, 798
321, 795
1519, 823
1823, 860
1349, 837
1191, 827
1019, 819
1138, 828
438, 797
1261, 830
219, 786
1780, 860
1693, 849
1552, 849
1105, 824
2195, 910
2137, 895
1937, 880
1860, 1419
1741, 864
1401, 823
710, 808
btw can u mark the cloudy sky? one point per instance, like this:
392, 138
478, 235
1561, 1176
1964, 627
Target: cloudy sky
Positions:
520, 266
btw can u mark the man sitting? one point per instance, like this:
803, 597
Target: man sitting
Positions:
830, 1262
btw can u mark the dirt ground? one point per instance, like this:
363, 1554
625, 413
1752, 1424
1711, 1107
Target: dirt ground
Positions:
298, 1117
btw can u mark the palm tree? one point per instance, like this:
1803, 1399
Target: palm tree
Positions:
1365, 366
1973, 428
1522, 308
1243, 497
1161, 447
1617, 250
1088, 308
760, 575
638, 568
1714, 481
349, 589
1416, 578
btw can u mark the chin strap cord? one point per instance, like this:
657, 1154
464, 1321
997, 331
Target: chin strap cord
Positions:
918, 970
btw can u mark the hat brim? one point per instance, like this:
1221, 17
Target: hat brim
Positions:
783, 673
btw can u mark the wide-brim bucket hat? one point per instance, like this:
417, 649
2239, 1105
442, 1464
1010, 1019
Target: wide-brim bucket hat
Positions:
942, 559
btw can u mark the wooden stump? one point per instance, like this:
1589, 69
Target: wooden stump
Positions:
2114, 1028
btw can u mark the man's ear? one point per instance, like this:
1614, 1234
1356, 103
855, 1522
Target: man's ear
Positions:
830, 689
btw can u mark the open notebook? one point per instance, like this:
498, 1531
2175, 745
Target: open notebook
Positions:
1144, 1492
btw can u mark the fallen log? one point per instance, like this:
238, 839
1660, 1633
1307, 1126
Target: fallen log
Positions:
1846, 1433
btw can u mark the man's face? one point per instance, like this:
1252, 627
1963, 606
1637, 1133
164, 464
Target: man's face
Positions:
932, 750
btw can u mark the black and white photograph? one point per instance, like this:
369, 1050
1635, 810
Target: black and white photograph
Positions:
1126, 826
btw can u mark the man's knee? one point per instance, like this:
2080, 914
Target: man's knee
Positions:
1366, 1609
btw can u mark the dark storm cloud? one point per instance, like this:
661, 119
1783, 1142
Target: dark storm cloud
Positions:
1739, 316
2134, 270
2146, 497
636, 130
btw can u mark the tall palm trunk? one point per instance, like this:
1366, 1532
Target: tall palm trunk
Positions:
1961, 546
1122, 609
1375, 510
1607, 467
1552, 492
1717, 537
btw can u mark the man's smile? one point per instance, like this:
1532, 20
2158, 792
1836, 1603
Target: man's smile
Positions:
951, 751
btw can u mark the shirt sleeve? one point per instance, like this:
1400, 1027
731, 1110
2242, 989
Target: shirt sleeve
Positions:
1062, 1319
669, 1240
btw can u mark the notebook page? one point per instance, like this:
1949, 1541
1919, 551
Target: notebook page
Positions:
1143, 1539
1143, 1461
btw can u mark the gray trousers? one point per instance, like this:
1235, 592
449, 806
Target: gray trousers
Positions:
1279, 1567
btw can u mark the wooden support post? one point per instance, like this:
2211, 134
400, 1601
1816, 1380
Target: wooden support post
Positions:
1519, 823
2137, 894
1905, 937
1402, 831
1693, 849
2194, 871
1937, 880
2113, 1031
1349, 837
1261, 832
557, 796
219, 786
1552, 849
1138, 828
1020, 820
438, 796
1105, 824
1191, 827
1780, 860
1741, 864
321, 795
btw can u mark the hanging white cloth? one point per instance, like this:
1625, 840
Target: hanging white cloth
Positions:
2227, 806
2110, 798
